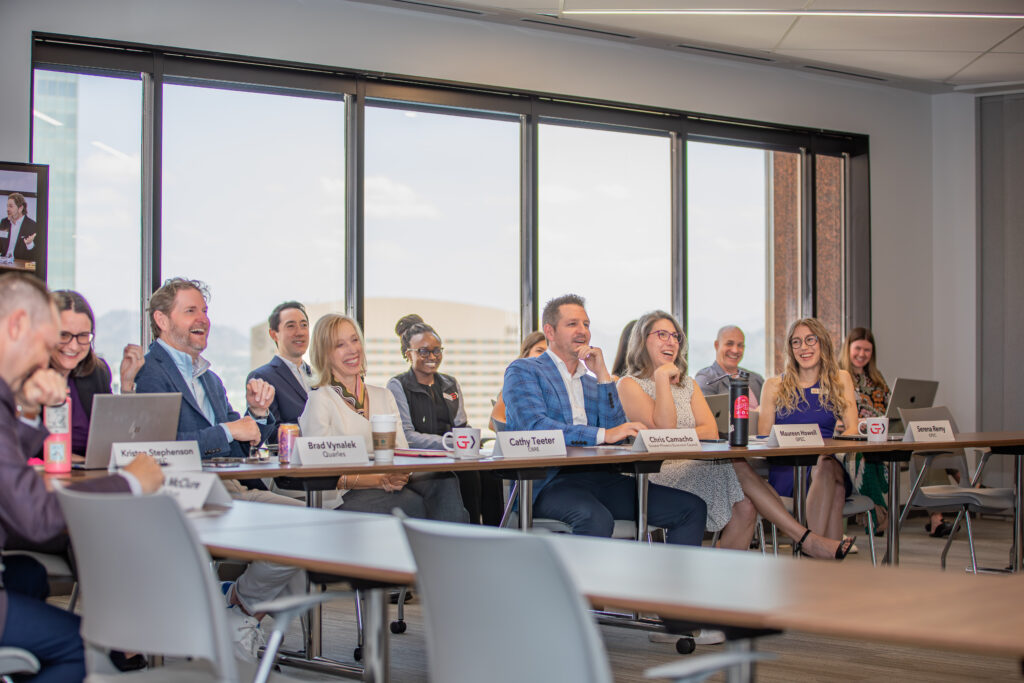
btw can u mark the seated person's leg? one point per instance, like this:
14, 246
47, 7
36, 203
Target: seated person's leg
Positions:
682, 514
24, 575
51, 634
441, 496
382, 502
572, 498
469, 489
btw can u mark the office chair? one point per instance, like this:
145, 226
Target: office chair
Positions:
15, 661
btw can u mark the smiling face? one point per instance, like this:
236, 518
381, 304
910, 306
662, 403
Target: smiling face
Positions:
860, 354
426, 343
662, 351
729, 349
571, 333
346, 358
67, 355
292, 334
805, 348
187, 328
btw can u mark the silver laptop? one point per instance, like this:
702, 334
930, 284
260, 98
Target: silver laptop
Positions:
719, 404
909, 393
126, 418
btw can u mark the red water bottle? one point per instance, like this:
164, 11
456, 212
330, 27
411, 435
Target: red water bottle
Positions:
57, 446
739, 409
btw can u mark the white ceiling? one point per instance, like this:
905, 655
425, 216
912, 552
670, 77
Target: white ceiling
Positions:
933, 55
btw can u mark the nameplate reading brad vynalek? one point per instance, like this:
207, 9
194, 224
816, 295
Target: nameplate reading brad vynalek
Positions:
929, 430
179, 456
194, 490
541, 443
666, 440
790, 436
330, 450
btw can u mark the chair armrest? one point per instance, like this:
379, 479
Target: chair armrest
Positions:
301, 602
14, 660
705, 665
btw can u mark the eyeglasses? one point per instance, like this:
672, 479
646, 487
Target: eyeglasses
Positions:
427, 353
809, 340
83, 338
665, 335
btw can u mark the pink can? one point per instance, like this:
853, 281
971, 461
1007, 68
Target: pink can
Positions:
286, 435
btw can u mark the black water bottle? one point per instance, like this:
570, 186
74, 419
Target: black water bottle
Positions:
739, 408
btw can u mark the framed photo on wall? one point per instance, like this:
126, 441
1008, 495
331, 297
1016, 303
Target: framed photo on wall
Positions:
24, 194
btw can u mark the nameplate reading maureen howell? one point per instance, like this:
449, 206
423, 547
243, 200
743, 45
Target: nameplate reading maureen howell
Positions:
541, 443
666, 440
178, 456
789, 436
330, 450
935, 430
193, 490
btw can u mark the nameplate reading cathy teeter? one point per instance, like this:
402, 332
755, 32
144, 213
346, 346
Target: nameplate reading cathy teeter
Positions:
666, 440
541, 443
330, 450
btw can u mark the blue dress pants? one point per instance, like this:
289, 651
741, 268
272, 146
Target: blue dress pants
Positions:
590, 502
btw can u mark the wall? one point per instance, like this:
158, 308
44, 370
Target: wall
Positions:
354, 35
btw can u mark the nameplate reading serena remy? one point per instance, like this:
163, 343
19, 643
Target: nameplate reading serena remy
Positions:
541, 443
666, 440
330, 450
934, 430
789, 436
178, 456
193, 490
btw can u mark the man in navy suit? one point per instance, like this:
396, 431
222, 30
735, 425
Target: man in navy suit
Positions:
29, 332
287, 372
555, 391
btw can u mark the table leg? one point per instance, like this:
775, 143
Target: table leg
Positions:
740, 673
892, 534
799, 497
641, 506
312, 636
376, 660
314, 499
1018, 522
525, 504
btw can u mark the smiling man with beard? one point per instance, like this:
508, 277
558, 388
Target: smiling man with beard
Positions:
556, 391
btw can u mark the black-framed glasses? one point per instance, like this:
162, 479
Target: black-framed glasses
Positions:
436, 352
83, 338
809, 340
665, 335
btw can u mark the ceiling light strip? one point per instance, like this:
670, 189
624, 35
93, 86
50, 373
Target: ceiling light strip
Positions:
799, 13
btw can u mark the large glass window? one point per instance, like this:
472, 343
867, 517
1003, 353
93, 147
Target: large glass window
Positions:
89, 130
605, 232
253, 205
442, 241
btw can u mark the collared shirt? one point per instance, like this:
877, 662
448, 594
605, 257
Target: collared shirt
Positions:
302, 372
13, 237
574, 388
191, 372
715, 380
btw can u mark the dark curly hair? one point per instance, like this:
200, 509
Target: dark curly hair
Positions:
408, 326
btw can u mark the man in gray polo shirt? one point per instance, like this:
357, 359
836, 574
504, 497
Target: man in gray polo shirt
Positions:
729, 347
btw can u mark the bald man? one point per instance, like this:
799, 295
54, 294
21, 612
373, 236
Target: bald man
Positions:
714, 379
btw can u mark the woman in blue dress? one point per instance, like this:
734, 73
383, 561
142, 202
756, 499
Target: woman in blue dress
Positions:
812, 390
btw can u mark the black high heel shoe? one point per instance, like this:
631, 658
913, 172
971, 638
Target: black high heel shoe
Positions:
841, 552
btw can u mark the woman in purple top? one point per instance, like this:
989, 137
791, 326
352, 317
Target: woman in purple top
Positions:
812, 390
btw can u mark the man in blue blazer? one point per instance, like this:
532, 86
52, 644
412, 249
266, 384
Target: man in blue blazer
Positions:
555, 391
290, 376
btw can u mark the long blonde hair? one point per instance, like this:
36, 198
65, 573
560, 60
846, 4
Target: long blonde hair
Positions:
790, 395
638, 361
324, 339
871, 369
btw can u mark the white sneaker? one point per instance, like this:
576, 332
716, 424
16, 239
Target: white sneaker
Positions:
247, 634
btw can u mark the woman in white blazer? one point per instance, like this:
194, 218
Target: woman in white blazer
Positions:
341, 404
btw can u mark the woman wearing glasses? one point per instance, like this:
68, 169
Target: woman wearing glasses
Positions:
813, 390
657, 392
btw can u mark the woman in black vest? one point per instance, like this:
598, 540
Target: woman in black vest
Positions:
430, 404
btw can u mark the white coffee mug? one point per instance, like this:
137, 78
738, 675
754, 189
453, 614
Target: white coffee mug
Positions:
876, 428
383, 428
465, 442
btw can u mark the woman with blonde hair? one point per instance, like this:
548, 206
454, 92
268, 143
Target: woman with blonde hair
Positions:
812, 389
657, 392
341, 404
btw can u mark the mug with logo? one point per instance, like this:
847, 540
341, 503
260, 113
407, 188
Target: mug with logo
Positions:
465, 442
876, 428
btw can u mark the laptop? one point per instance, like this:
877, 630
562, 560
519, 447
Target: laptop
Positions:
719, 404
126, 418
906, 393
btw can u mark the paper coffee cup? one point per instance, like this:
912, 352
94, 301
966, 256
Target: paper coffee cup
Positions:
383, 429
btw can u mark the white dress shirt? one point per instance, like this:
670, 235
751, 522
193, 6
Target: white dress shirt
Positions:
574, 388
13, 237
302, 373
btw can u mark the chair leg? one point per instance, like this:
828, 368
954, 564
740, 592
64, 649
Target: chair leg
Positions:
952, 534
714, 538
775, 540
73, 600
743, 672
513, 493
760, 537
359, 618
871, 538
970, 542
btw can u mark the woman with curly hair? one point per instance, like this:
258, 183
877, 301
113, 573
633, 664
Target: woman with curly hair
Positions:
812, 390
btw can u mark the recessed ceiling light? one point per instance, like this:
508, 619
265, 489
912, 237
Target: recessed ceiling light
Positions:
801, 13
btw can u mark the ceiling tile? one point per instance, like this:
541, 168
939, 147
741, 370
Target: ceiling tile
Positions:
932, 66
936, 35
751, 33
993, 68
1014, 43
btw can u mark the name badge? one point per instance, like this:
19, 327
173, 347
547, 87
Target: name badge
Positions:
5, 234
178, 456
663, 440
788, 436
330, 450
193, 490
544, 442
936, 430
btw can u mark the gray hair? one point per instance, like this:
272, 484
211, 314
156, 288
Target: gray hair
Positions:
26, 292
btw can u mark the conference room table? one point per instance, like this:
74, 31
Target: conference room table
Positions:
972, 614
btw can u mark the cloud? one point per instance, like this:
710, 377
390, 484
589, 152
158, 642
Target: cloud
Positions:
386, 198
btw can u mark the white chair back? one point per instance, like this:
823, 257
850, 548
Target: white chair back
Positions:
146, 581
951, 459
499, 606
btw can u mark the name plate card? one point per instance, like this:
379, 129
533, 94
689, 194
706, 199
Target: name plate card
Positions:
193, 490
178, 456
541, 443
666, 440
788, 436
330, 450
935, 430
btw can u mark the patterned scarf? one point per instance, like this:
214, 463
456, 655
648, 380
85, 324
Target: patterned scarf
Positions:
357, 401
